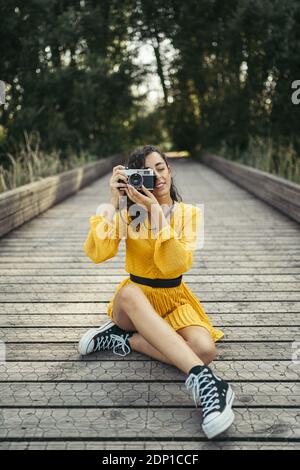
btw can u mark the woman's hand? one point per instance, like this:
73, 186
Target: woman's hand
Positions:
146, 200
117, 187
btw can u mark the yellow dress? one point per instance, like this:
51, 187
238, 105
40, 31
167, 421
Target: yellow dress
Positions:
166, 255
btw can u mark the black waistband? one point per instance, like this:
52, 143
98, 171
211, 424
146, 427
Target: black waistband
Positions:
176, 281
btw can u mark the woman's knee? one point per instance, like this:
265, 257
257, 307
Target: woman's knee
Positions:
121, 319
206, 351
127, 294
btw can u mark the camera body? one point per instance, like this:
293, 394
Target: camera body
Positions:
141, 176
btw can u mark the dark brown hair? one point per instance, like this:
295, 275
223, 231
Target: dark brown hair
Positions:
137, 160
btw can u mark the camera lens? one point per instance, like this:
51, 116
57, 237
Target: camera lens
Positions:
136, 180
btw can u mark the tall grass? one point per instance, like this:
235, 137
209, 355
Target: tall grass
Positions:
263, 154
30, 163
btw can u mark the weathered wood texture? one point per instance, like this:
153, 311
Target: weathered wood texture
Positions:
247, 279
280, 193
26, 202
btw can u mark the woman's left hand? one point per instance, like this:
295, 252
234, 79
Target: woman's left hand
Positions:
146, 200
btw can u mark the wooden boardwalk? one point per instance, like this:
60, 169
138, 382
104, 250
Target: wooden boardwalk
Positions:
247, 279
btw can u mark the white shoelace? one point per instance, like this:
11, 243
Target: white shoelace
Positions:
203, 391
113, 342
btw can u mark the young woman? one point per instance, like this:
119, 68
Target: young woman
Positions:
153, 311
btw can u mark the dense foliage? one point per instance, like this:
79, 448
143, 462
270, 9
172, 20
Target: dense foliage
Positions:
226, 86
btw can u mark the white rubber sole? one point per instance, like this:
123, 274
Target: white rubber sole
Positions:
85, 345
223, 421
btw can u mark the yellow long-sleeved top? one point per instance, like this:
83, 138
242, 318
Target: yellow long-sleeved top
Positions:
168, 255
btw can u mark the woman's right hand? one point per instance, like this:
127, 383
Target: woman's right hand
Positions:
118, 188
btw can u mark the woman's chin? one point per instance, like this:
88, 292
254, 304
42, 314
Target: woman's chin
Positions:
158, 192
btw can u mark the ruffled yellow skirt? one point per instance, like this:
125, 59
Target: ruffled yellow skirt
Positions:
176, 305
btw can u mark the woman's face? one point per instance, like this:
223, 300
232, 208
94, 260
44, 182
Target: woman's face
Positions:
162, 172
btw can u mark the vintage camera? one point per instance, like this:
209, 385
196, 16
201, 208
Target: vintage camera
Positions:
140, 176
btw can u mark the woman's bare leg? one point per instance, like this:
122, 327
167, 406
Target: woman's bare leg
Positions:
130, 302
201, 342
139, 344
197, 337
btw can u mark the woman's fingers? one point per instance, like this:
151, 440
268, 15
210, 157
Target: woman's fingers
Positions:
131, 194
127, 192
118, 185
130, 190
118, 181
117, 177
139, 198
133, 190
135, 196
146, 191
117, 167
119, 174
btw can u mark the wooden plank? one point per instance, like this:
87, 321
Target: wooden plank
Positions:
69, 308
180, 423
91, 320
75, 262
228, 249
41, 286
212, 257
250, 394
247, 279
234, 245
163, 444
91, 271
227, 240
227, 351
263, 280
244, 233
216, 295
71, 333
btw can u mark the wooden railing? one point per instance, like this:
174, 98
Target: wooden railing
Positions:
26, 202
278, 192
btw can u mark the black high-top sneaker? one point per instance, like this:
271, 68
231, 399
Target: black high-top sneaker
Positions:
108, 336
216, 397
